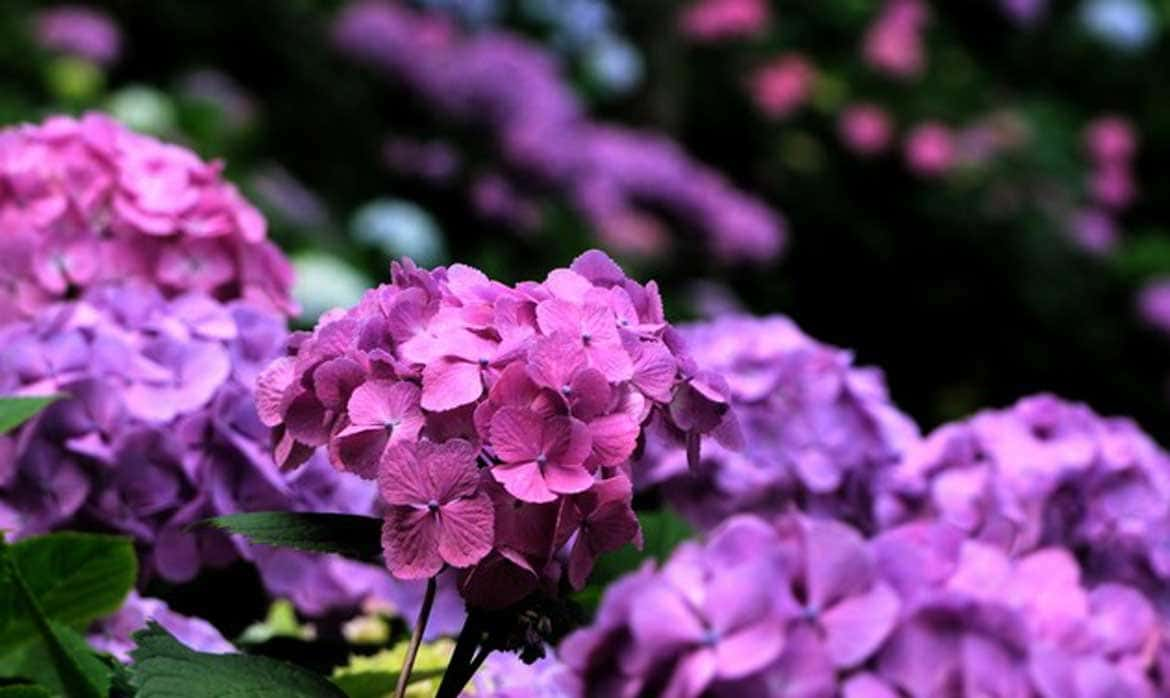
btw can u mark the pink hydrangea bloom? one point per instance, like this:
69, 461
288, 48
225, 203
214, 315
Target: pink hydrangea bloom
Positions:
783, 85
893, 43
865, 129
930, 149
86, 201
716, 20
545, 387
1110, 139
1154, 304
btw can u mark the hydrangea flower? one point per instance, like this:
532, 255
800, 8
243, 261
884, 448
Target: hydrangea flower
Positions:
1044, 472
866, 129
717, 20
455, 390
783, 85
893, 43
114, 634
931, 149
917, 612
85, 201
505, 675
816, 429
159, 431
79, 31
513, 89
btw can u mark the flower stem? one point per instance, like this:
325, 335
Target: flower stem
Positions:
420, 627
459, 670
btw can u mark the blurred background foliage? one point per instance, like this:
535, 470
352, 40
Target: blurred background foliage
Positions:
970, 284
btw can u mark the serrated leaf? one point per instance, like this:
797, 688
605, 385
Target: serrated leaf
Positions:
349, 535
74, 577
54, 655
16, 410
165, 668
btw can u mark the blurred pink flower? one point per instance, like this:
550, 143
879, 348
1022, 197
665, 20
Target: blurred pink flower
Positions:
893, 43
782, 85
865, 128
714, 20
1110, 139
930, 149
1112, 185
1154, 304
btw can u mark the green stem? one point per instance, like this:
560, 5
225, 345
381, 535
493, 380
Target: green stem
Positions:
459, 670
420, 627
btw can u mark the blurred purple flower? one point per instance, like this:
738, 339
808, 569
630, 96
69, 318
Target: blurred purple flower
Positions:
817, 430
1154, 304
79, 31
514, 89
114, 634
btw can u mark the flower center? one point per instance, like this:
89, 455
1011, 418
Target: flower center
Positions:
586, 338
390, 424
432, 506
484, 363
542, 460
710, 637
566, 390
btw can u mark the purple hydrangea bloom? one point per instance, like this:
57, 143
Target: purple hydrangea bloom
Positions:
513, 88
504, 675
916, 612
79, 31
1045, 472
114, 634
816, 428
160, 431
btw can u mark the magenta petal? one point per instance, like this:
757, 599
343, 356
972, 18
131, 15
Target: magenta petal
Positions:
410, 541
451, 468
614, 438
383, 402
567, 479
838, 562
449, 384
749, 649
360, 449
523, 481
566, 441
516, 434
857, 626
692, 675
271, 387
402, 479
467, 530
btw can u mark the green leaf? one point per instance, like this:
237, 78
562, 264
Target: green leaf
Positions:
356, 537
376, 676
61, 660
662, 531
24, 691
15, 411
74, 577
164, 668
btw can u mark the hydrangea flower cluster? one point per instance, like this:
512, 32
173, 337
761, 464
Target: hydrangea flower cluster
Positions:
1045, 472
717, 20
87, 201
816, 429
499, 421
915, 612
115, 634
160, 431
513, 89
